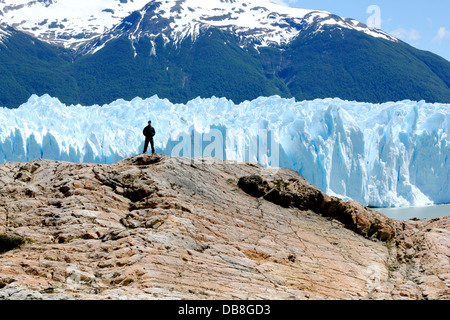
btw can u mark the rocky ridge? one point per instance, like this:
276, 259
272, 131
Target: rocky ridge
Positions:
156, 227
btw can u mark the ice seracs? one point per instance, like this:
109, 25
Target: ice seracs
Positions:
391, 154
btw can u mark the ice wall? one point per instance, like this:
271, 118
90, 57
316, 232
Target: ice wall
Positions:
392, 154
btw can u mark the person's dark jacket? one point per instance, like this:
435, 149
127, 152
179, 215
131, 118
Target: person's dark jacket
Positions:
149, 132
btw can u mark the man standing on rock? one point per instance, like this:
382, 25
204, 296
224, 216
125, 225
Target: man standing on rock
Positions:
149, 132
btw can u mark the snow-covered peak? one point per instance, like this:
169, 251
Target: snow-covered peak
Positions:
76, 23
67, 23
264, 21
255, 22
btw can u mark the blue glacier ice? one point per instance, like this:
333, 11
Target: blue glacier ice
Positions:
383, 155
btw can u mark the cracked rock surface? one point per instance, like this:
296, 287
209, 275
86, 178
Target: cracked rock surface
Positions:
156, 227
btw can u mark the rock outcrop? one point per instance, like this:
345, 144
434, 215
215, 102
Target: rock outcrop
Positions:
155, 227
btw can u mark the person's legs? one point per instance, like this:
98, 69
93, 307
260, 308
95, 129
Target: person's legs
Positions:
152, 144
146, 145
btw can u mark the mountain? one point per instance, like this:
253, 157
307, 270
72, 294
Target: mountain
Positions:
167, 228
252, 22
71, 24
28, 65
182, 49
66, 23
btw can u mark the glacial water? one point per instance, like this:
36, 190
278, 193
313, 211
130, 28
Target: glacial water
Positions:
406, 213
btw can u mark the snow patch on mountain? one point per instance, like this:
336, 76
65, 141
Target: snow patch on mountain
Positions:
391, 154
66, 23
4, 33
93, 23
260, 23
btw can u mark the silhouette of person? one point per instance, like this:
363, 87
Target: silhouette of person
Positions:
149, 132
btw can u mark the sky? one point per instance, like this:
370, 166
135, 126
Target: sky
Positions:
424, 24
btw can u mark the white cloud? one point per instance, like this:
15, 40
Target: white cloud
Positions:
407, 35
441, 35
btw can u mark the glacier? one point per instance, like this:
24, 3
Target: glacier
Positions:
382, 155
